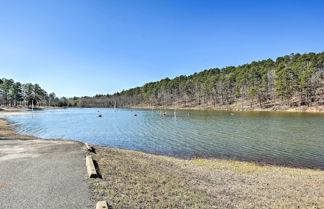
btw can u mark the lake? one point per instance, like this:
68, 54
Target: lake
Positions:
291, 139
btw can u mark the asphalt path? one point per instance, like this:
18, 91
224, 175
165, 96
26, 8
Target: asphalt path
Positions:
39, 174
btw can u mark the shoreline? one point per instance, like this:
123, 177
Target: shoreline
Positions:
19, 108
288, 110
312, 110
8, 128
132, 179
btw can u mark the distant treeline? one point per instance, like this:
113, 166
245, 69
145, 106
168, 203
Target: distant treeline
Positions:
292, 80
15, 94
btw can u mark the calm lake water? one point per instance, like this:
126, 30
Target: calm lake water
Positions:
293, 139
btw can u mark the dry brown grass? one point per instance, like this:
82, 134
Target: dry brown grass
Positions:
137, 180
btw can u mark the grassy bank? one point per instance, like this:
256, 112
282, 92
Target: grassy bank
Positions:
137, 180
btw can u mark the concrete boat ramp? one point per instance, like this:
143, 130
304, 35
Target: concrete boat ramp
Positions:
37, 174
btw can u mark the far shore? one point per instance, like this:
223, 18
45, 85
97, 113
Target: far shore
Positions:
22, 108
13, 113
303, 109
233, 108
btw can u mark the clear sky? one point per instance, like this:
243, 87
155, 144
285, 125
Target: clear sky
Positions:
79, 47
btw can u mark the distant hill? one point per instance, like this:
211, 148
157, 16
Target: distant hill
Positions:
294, 80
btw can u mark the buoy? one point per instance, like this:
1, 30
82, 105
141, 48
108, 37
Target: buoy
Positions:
135, 115
99, 116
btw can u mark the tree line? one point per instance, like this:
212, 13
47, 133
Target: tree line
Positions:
15, 94
292, 80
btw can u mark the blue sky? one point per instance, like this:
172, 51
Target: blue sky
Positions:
97, 47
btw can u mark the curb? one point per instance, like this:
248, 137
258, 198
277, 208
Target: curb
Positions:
90, 167
102, 205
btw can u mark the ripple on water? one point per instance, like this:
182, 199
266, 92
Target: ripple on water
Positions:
272, 137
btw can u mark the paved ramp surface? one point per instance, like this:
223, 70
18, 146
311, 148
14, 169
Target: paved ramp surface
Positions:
43, 174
